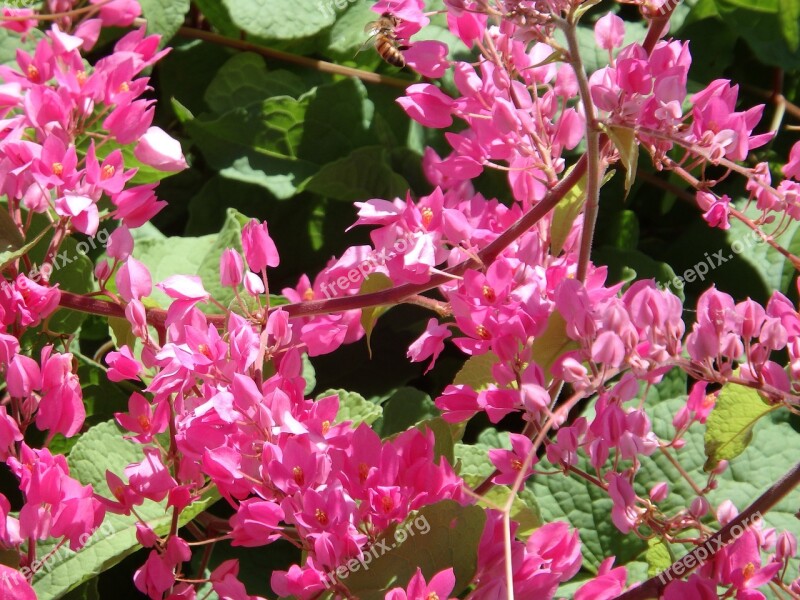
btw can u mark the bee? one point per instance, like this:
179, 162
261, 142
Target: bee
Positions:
385, 39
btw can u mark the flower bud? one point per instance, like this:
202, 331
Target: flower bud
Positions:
659, 491
253, 284
230, 268
259, 249
699, 507
102, 270
786, 547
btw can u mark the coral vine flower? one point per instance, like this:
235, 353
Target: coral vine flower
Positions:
440, 587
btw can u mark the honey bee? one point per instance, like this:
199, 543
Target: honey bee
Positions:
385, 39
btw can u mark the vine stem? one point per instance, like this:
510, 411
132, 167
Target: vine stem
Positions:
592, 147
653, 587
302, 61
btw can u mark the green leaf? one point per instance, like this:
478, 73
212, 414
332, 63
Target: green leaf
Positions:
552, 343
9, 255
353, 407
244, 80
364, 173
445, 436
101, 448
729, 428
404, 408
281, 19
438, 537
627, 264
757, 22
477, 371
789, 15
72, 270
11, 239
217, 15
623, 231
375, 282
164, 17
193, 256
658, 557
568, 210
11, 41
624, 139
257, 143
309, 375
565, 213
347, 34
326, 139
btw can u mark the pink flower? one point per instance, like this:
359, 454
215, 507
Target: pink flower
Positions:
428, 58
123, 365
133, 280
609, 32
458, 403
430, 343
428, 105
120, 243
792, 167
150, 477
9, 434
110, 174
118, 13
161, 151
226, 585
27, 302
659, 491
144, 419
82, 209
467, 25
510, 462
697, 588
137, 205
157, 574
13, 585
23, 376
561, 550
717, 210
440, 586
184, 287
61, 408
608, 584
21, 26
256, 523
128, 122
259, 249
624, 513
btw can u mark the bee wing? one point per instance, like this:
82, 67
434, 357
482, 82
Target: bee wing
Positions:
370, 42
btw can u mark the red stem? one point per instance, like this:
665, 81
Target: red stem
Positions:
393, 295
